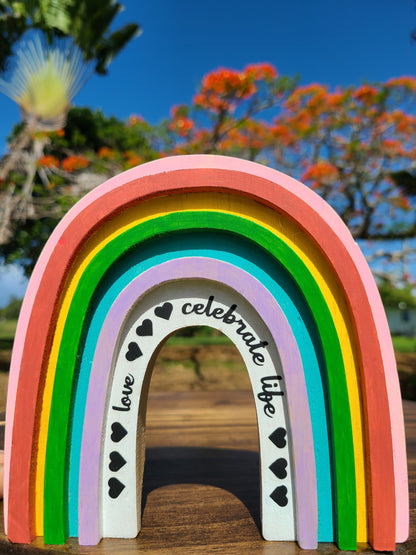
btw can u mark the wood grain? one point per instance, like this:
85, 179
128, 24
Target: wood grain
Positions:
192, 505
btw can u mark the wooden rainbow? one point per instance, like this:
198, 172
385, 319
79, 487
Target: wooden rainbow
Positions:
214, 220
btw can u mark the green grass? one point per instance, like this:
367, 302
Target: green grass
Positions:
194, 341
401, 344
7, 331
404, 344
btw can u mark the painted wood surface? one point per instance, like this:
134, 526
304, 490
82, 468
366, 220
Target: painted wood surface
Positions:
270, 313
348, 266
65, 320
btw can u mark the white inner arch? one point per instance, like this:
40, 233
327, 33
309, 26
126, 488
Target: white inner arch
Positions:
155, 317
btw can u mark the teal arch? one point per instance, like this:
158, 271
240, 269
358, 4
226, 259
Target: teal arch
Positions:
276, 279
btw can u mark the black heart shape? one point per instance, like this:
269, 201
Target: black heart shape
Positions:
116, 461
278, 437
164, 311
279, 496
133, 352
119, 432
145, 329
115, 487
279, 468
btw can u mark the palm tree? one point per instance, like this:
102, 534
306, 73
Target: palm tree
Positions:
12, 26
72, 38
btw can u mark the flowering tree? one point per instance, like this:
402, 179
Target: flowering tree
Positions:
223, 117
90, 149
349, 145
353, 145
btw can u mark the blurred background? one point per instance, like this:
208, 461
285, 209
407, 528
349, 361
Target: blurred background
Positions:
323, 91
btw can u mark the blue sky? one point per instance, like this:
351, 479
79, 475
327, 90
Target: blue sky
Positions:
330, 41
336, 42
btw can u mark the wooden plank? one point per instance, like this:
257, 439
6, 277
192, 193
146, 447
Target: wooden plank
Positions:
211, 507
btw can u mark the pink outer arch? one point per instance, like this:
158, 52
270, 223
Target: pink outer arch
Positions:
388, 502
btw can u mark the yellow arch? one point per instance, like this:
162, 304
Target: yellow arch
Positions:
282, 227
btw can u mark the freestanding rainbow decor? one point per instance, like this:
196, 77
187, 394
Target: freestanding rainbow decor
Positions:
205, 240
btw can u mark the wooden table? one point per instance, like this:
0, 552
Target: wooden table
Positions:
201, 486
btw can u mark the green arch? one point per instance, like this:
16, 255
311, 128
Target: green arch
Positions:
55, 517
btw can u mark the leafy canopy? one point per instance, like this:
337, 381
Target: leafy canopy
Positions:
87, 22
354, 146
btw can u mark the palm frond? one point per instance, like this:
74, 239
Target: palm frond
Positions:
112, 45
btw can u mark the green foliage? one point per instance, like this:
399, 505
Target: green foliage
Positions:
50, 16
404, 344
87, 22
12, 27
12, 310
90, 26
406, 181
111, 145
7, 331
392, 296
108, 146
27, 243
91, 130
